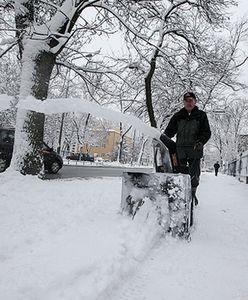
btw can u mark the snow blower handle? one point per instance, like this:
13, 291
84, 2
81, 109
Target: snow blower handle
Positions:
171, 145
165, 159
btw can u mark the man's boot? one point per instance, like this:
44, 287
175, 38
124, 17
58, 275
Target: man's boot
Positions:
194, 196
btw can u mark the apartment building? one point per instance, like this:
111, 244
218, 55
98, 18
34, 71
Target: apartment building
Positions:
106, 148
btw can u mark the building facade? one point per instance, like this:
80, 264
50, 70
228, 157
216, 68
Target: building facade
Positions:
105, 148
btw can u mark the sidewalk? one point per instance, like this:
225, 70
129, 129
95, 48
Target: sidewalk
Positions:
214, 265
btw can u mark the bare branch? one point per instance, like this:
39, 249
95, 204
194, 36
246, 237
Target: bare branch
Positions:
8, 49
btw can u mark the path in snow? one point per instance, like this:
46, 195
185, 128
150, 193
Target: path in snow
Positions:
64, 239
214, 265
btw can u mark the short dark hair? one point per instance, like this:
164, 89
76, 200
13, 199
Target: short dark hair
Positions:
189, 94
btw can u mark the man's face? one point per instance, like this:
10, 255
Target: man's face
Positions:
189, 103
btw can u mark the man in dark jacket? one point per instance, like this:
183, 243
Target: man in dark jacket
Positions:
191, 127
216, 168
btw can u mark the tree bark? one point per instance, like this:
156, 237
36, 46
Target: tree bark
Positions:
148, 86
120, 146
30, 125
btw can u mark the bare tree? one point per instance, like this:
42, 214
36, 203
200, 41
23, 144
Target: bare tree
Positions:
227, 123
184, 41
45, 29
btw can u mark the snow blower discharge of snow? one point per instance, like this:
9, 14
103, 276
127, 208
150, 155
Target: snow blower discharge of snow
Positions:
168, 193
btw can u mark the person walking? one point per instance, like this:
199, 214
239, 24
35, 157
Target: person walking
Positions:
191, 127
216, 168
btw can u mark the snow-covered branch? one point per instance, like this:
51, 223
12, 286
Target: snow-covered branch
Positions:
51, 106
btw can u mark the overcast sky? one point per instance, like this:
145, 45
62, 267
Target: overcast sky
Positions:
241, 11
242, 8
116, 44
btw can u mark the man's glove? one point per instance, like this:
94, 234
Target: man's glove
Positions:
198, 146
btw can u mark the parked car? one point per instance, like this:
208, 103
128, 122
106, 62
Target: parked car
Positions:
52, 161
73, 156
80, 156
87, 157
6, 147
99, 160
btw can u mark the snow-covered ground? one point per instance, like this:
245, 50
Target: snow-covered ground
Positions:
65, 239
103, 163
214, 265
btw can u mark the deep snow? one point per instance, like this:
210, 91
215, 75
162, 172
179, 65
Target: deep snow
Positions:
65, 239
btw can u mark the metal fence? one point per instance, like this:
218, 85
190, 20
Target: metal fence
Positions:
239, 167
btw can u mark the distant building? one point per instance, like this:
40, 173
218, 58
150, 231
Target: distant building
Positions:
106, 148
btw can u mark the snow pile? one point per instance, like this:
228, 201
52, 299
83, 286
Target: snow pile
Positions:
66, 239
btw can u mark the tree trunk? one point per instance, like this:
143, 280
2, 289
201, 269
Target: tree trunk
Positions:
141, 151
148, 86
120, 146
133, 147
36, 72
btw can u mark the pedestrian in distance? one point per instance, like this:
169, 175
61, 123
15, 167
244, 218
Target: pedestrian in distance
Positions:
216, 168
191, 127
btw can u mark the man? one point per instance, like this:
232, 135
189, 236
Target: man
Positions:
192, 130
216, 168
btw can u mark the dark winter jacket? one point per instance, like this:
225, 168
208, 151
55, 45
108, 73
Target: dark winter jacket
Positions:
216, 166
192, 132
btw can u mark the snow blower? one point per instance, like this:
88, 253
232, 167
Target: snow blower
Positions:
167, 191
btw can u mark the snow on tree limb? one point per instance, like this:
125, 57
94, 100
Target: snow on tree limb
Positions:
62, 105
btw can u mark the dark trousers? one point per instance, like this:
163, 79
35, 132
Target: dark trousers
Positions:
194, 170
216, 172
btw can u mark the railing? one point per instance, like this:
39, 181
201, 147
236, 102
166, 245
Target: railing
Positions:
239, 167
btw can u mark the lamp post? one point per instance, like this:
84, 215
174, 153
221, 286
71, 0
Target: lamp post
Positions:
63, 114
60, 133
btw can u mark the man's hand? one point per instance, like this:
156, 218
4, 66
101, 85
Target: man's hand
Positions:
198, 146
